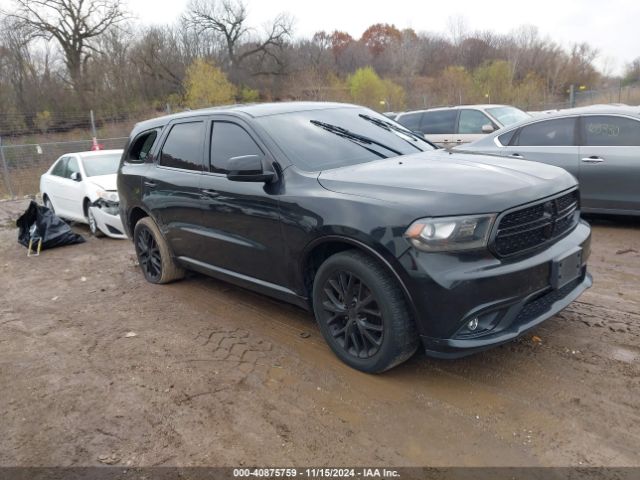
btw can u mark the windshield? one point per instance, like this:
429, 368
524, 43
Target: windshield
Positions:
508, 115
101, 165
317, 140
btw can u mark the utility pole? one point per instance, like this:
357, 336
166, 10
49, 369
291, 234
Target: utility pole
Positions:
5, 170
572, 95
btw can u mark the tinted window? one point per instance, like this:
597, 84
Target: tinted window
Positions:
229, 140
410, 121
439, 122
60, 167
505, 138
472, 121
72, 167
183, 147
141, 146
610, 131
101, 165
312, 147
558, 132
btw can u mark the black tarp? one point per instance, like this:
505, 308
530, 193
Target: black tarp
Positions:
51, 228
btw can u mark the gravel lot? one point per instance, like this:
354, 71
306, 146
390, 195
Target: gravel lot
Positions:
216, 375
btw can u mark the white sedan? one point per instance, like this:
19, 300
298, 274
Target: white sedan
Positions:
82, 187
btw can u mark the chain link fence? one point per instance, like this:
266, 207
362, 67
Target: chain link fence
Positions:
22, 165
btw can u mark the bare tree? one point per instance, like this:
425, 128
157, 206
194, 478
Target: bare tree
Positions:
74, 24
228, 20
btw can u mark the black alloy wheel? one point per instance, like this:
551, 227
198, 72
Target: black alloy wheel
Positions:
148, 254
362, 312
352, 314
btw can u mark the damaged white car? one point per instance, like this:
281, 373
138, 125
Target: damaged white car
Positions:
82, 187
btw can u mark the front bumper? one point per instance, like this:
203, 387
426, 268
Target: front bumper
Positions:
508, 297
109, 224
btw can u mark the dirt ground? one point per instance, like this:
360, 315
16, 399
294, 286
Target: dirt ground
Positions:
216, 375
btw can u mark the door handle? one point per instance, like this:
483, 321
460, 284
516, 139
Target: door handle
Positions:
593, 159
210, 193
517, 155
459, 141
150, 184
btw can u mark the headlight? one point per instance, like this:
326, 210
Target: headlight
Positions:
447, 234
108, 196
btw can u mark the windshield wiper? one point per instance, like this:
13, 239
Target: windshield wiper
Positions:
355, 137
390, 127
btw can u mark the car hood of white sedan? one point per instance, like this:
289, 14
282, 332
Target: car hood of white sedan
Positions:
106, 182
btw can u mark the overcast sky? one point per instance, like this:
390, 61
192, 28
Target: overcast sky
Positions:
609, 25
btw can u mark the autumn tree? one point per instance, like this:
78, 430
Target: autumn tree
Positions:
368, 89
206, 85
379, 36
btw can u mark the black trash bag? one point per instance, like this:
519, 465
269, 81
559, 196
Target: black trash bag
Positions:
40, 222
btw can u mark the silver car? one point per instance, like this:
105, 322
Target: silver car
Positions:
599, 145
451, 126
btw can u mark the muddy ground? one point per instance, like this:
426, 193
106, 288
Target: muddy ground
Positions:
216, 375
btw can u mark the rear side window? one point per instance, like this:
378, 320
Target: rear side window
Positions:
472, 121
505, 138
549, 133
440, 122
183, 147
610, 131
411, 121
60, 167
229, 140
141, 147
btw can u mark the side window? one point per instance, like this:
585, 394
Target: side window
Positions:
439, 122
72, 167
411, 121
229, 140
183, 146
472, 121
141, 146
505, 138
610, 131
60, 167
549, 133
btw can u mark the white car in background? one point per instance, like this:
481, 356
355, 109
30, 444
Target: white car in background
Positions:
448, 127
82, 187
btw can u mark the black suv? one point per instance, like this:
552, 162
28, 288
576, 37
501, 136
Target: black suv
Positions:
342, 211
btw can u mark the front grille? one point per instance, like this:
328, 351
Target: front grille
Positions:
536, 225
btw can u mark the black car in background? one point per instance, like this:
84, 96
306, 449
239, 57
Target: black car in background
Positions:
342, 211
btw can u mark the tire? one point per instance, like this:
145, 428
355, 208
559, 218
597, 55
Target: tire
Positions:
154, 255
93, 225
378, 317
48, 204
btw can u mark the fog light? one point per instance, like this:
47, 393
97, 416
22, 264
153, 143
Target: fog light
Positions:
473, 324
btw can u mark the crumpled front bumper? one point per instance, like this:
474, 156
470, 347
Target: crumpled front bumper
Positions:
108, 219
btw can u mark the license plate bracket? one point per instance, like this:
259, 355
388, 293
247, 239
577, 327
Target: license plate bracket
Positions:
566, 268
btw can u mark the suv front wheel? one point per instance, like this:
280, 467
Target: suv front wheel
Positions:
362, 313
153, 253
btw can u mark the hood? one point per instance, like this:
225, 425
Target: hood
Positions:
106, 182
444, 183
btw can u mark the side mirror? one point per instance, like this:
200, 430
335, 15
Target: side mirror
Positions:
76, 177
248, 168
487, 128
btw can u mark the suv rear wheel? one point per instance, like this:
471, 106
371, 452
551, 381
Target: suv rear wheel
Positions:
153, 253
362, 313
